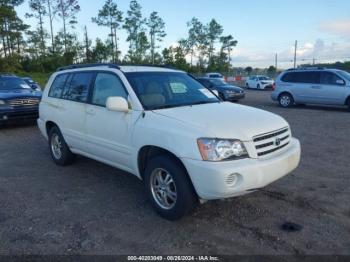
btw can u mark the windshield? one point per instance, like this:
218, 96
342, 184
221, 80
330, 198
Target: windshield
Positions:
264, 78
344, 74
159, 90
8, 83
217, 82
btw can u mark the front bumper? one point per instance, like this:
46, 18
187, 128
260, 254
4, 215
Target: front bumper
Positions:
18, 114
217, 180
234, 96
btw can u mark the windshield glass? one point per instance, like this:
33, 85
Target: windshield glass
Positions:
217, 82
264, 78
344, 74
8, 83
158, 90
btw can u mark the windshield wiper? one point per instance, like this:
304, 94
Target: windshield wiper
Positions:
203, 102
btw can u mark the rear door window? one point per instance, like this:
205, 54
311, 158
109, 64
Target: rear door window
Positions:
312, 77
328, 78
58, 86
78, 87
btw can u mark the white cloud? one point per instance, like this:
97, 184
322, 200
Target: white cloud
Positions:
339, 27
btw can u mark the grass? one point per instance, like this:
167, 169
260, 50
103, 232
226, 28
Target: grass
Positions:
39, 77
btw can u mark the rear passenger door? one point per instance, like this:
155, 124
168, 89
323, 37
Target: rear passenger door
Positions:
108, 132
332, 89
71, 110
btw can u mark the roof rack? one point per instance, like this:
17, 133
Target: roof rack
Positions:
150, 65
77, 66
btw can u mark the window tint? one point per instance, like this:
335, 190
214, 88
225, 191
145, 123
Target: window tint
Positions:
78, 88
302, 77
107, 85
205, 82
57, 86
328, 78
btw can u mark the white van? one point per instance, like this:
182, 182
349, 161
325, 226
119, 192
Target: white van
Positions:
167, 129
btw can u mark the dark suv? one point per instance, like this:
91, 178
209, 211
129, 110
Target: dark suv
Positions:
17, 99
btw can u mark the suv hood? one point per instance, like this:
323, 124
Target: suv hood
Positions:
19, 93
226, 120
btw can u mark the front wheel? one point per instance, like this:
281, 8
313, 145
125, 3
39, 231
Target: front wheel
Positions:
169, 188
286, 100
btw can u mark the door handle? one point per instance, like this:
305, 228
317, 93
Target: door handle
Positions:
316, 87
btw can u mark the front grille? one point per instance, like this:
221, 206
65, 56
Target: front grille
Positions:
266, 144
20, 102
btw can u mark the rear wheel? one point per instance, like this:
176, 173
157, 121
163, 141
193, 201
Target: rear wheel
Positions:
169, 188
59, 149
286, 100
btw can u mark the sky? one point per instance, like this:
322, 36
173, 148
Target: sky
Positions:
262, 28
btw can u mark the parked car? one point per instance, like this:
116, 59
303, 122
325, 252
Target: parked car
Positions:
215, 75
17, 99
167, 129
225, 91
313, 86
34, 85
259, 82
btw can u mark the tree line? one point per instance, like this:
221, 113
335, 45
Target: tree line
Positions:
44, 48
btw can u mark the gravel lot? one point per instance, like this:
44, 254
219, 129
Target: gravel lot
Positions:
91, 208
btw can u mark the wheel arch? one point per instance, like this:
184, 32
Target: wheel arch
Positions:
49, 125
147, 152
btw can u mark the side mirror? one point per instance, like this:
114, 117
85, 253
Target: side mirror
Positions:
340, 82
215, 92
117, 103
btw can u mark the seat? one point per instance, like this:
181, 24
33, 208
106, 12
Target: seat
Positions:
153, 95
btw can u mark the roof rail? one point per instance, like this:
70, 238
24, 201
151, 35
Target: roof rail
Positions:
76, 66
307, 68
150, 65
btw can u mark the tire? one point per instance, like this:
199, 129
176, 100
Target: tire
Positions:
179, 193
222, 97
286, 100
59, 149
348, 104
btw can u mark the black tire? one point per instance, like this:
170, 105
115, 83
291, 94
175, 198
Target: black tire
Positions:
66, 157
222, 97
348, 103
286, 100
186, 198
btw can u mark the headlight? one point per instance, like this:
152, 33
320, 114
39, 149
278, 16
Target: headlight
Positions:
2, 102
213, 149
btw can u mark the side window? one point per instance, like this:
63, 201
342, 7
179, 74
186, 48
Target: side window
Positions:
205, 83
78, 88
308, 77
57, 86
328, 78
107, 85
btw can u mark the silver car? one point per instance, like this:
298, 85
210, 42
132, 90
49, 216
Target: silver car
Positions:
312, 86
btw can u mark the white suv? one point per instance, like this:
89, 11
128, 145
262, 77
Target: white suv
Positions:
168, 130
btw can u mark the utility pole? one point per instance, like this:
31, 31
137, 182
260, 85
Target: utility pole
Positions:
276, 62
295, 53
